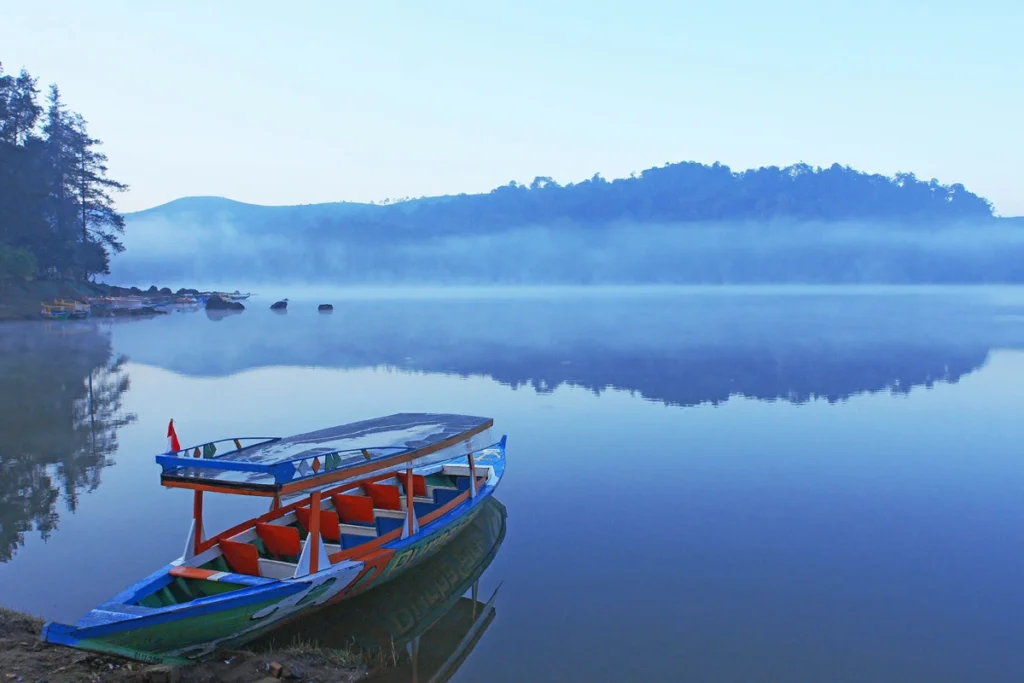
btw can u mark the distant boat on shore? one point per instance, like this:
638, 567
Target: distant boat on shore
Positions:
116, 303
63, 310
232, 296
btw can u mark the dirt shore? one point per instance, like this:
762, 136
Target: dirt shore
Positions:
24, 659
23, 300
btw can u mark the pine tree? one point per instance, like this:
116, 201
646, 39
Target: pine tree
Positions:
101, 224
82, 214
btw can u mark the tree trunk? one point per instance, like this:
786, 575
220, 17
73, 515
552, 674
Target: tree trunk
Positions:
85, 231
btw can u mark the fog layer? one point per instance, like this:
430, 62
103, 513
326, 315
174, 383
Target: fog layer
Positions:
212, 248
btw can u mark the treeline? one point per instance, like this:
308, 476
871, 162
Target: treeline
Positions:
690, 192
57, 218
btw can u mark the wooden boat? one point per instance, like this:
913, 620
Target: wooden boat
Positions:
232, 296
62, 310
55, 312
117, 303
175, 303
376, 497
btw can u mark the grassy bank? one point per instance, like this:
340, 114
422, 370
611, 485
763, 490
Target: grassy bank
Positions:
24, 658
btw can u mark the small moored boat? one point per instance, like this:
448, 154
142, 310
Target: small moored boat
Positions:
375, 498
55, 311
116, 303
62, 310
232, 296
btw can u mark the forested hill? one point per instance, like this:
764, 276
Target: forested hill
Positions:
674, 193
692, 192
685, 222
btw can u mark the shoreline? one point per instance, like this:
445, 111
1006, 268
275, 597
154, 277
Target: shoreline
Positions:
23, 657
23, 301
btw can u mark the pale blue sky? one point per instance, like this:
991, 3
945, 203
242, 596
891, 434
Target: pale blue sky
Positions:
283, 103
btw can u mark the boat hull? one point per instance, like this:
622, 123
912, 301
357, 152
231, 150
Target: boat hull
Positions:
196, 629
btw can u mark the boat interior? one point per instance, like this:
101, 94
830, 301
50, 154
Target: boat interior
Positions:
269, 547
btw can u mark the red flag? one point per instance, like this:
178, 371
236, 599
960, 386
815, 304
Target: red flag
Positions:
172, 438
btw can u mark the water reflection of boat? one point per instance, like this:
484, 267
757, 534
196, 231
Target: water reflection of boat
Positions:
424, 616
375, 498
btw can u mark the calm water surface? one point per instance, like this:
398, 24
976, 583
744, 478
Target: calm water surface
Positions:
705, 485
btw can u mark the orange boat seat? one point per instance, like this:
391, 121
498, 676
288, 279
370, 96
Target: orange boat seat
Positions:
280, 541
242, 558
329, 529
384, 496
353, 509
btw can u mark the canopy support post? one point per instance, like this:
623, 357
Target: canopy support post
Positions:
472, 477
314, 532
412, 525
314, 555
194, 543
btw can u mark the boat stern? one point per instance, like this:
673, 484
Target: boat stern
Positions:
175, 633
68, 635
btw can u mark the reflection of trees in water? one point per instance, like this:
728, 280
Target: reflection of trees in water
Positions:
688, 376
60, 409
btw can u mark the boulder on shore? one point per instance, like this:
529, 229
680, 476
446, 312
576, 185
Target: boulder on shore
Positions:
278, 305
218, 304
325, 308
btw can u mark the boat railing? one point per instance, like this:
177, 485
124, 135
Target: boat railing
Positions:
186, 457
311, 466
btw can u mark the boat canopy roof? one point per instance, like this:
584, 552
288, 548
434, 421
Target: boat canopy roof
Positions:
335, 455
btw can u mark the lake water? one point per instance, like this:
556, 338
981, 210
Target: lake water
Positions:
703, 484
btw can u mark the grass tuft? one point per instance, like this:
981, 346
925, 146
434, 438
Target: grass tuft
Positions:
311, 649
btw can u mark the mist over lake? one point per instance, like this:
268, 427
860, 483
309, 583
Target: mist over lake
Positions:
681, 223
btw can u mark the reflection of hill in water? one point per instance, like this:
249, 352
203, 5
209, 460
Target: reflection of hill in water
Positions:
713, 377
675, 349
60, 403
422, 614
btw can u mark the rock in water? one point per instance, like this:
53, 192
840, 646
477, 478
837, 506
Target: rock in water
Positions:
325, 308
218, 304
278, 305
